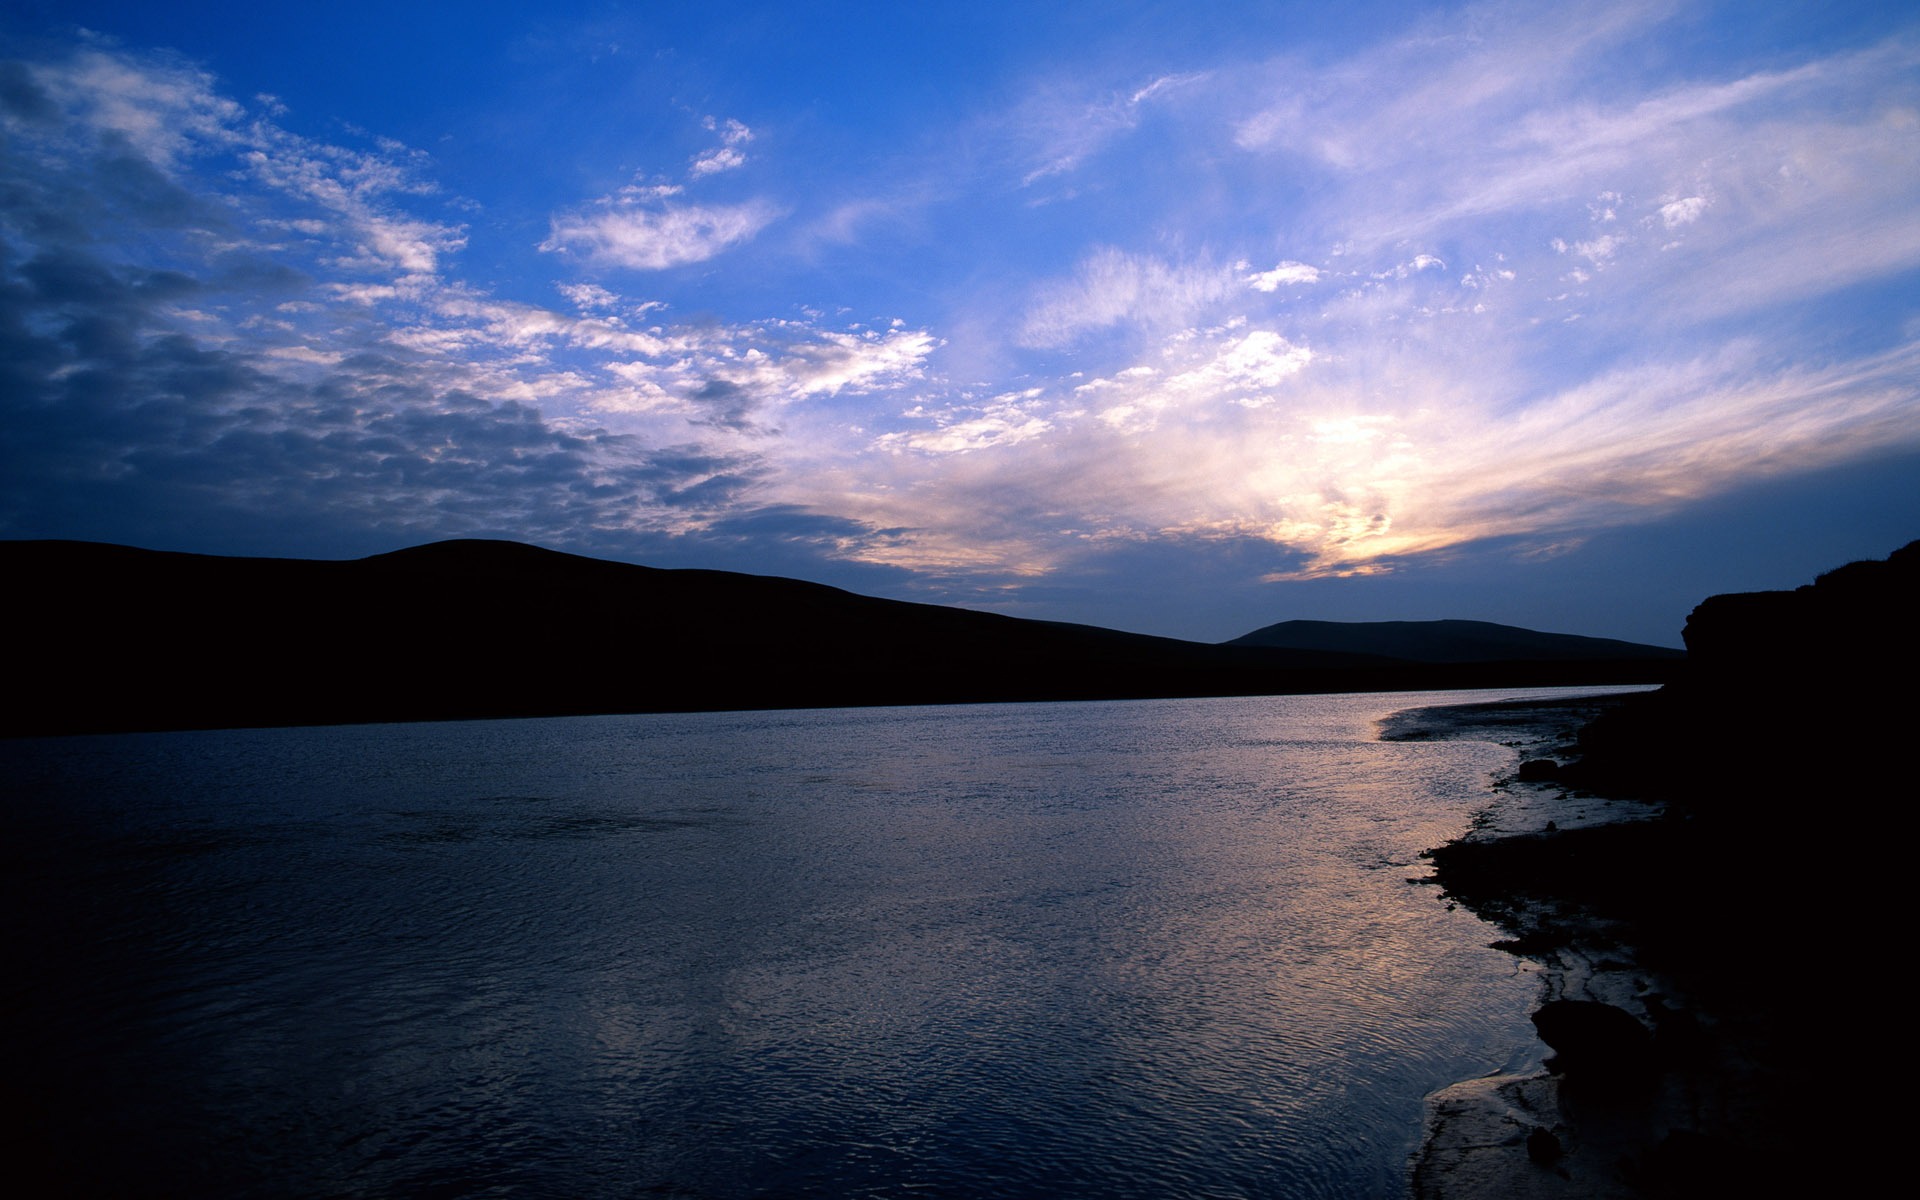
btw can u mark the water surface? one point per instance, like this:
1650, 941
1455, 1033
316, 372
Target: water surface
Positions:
1157, 948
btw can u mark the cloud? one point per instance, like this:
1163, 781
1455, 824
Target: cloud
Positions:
159, 107
111, 416
587, 296
830, 361
1065, 126
1005, 420
1284, 275
1549, 296
1418, 263
728, 156
1486, 129
653, 240
741, 378
1261, 360
642, 228
352, 186
231, 329
1199, 379
1684, 211
138, 126
1596, 251
1112, 287
713, 162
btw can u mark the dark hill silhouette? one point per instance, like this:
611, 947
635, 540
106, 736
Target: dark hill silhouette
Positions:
118, 638
1447, 642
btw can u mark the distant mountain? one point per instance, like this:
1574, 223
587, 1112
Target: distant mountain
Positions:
1447, 642
116, 638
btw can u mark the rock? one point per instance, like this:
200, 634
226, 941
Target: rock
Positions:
1538, 770
1543, 1147
1594, 1041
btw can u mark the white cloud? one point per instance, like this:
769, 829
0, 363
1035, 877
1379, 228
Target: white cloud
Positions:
170, 118
502, 323
1006, 420
642, 193
1112, 288
720, 158
728, 156
1202, 376
1287, 273
1259, 361
587, 296
1596, 251
1413, 266
1161, 84
1684, 211
827, 362
352, 187
163, 109
1391, 414
1503, 122
653, 240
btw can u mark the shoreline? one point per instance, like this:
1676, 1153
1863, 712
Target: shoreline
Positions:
1697, 1117
1727, 948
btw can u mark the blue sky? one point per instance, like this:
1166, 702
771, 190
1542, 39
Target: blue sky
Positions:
1176, 318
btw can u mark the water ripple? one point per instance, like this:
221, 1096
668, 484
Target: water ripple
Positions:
1144, 949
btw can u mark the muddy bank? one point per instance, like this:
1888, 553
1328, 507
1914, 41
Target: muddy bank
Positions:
1704, 935
1709, 961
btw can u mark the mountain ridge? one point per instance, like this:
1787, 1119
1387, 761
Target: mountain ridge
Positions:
1447, 640
127, 638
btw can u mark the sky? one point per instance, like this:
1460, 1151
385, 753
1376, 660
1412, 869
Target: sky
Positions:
1176, 318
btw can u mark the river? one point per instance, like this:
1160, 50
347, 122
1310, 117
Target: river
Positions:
1153, 948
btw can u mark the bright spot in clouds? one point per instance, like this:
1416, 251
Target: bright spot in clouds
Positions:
1174, 317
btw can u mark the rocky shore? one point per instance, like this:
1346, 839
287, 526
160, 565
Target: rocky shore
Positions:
1646, 1109
1706, 876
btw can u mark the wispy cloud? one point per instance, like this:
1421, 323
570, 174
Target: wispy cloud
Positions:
1112, 287
1493, 279
1065, 126
645, 227
1005, 420
363, 388
161, 109
642, 239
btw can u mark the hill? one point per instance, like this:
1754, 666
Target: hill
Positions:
117, 638
1447, 642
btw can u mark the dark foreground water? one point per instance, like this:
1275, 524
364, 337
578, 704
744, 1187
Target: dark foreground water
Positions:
1160, 949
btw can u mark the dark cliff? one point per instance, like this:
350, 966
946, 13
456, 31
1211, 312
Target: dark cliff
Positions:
1781, 691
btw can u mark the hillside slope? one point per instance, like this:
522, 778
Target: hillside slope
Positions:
1447, 642
120, 638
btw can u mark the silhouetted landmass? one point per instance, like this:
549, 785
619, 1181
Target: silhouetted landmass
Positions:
1781, 691
1763, 893
1447, 642
116, 638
